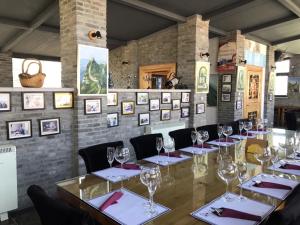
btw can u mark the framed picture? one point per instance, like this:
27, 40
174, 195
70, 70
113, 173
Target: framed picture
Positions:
128, 107
49, 126
142, 98
166, 98
200, 108
202, 77
92, 106
185, 112
272, 77
112, 99
4, 102
92, 70
185, 97
165, 114
270, 97
63, 100
176, 104
240, 80
112, 119
226, 78
226, 88
33, 101
226, 97
154, 105
238, 104
144, 119
19, 129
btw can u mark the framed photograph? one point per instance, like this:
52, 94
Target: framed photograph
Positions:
4, 102
226, 97
112, 119
112, 99
63, 100
142, 98
238, 104
226, 78
185, 97
176, 104
92, 106
166, 98
144, 119
165, 114
33, 101
202, 77
49, 126
154, 105
185, 112
19, 129
226, 88
128, 107
270, 97
200, 108
240, 80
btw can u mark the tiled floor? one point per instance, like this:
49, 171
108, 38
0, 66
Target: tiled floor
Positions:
24, 217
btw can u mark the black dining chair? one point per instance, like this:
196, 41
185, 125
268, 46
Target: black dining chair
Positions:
145, 145
212, 130
95, 157
182, 137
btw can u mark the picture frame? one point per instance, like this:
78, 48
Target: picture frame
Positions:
19, 129
226, 78
165, 114
176, 104
226, 97
238, 104
202, 71
144, 119
112, 119
185, 97
226, 88
142, 98
63, 100
166, 97
154, 105
5, 102
49, 126
128, 107
33, 100
112, 99
185, 112
92, 106
240, 80
200, 108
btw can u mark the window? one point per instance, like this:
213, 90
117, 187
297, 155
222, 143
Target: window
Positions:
281, 85
282, 66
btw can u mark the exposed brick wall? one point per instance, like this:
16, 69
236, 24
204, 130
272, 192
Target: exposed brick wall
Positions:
6, 77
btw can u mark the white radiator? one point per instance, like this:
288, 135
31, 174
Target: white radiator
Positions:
8, 180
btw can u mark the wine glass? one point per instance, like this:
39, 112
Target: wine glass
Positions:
263, 156
169, 145
248, 126
110, 155
159, 144
220, 132
259, 125
274, 159
242, 177
227, 131
241, 127
194, 135
122, 155
203, 136
265, 122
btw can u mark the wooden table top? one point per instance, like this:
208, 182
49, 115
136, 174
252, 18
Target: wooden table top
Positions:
185, 187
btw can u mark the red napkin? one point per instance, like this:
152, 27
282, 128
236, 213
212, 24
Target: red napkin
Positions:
264, 129
175, 154
245, 134
290, 167
204, 146
113, 199
224, 140
237, 214
264, 184
130, 166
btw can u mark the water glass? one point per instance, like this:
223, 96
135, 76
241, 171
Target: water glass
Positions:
122, 155
242, 177
227, 131
203, 136
241, 126
159, 144
110, 155
248, 126
263, 156
169, 145
194, 136
220, 131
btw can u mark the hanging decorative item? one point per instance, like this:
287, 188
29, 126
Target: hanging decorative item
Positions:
110, 81
32, 80
202, 77
240, 79
271, 82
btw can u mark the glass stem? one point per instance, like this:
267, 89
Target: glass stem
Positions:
241, 191
151, 200
227, 188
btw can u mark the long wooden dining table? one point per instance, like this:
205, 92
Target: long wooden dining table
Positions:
185, 187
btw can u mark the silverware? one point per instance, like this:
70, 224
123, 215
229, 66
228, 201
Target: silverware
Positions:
218, 211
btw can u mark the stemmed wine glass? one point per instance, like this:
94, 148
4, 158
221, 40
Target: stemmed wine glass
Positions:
220, 132
274, 159
241, 127
265, 122
248, 126
122, 155
194, 135
110, 155
203, 136
169, 145
242, 177
159, 144
259, 125
227, 131
263, 156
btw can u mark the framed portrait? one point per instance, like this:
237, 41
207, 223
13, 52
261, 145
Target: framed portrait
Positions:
19, 129
225, 97
166, 98
128, 107
226, 78
144, 119
142, 98
92, 106
226, 88
63, 100
49, 126
112, 99
240, 79
154, 105
238, 104
202, 77
112, 119
165, 114
92, 70
185, 97
5, 102
185, 112
200, 108
176, 104
270, 97
33, 101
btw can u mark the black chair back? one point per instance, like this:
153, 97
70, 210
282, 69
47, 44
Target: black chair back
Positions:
182, 137
212, 130
292, 119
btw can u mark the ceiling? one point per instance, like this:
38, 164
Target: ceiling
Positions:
31, 27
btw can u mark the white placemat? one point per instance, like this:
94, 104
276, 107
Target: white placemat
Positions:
258, 132
275, 193
165, 160
249, 206
291, 156
224, 144
242, 137
198, 151
114, 174
130, 209
288, 171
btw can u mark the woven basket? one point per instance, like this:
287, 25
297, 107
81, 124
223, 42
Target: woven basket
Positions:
32, 80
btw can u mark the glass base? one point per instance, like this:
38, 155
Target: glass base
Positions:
227, 198
242, 198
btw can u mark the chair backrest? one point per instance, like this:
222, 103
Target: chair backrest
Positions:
182, 137
95, 157
145, 145
292, 119
212, 130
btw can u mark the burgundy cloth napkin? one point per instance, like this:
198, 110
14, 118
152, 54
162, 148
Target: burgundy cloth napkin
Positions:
224, 140
175, 154
129, 166
237, 214
290, 167
113, 199
264, 184
204, 146
249, 134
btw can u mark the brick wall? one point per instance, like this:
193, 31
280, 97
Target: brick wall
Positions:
6, 70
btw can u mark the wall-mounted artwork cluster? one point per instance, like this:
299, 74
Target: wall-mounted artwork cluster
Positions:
226, 88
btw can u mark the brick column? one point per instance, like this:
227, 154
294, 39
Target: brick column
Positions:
6, 70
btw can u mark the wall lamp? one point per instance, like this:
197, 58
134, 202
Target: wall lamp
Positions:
243, 61
94, 34
206, 54
273, 67
126, 62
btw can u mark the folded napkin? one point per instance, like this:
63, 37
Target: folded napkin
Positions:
113, 199
249, 134
229, 140
204, 146
290, 167
264, 184
225, 212
175, 154
129, 166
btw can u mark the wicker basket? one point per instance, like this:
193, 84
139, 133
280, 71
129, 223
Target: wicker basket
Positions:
34, 80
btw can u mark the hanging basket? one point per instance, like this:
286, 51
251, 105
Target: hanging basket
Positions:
32, 80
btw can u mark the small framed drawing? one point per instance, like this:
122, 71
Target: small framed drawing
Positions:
5, 102
226, 88
92, 106
144, 119
33, 101
238, 104
112, 119
166, 98
176, 104
200, 108
49, 126
19, 129
154, 105
185, 112
63, 100
226, 78
127, 107
165, 114
112, 99
185, 97
142, 98
225, 97
270, 97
